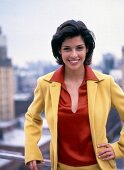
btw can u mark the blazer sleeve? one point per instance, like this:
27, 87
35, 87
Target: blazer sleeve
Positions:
33, 126
117, 99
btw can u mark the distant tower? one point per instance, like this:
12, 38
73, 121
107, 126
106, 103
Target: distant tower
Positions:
6, 82
108, 62
123, 52
123, 67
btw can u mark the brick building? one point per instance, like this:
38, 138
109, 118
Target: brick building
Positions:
6, 82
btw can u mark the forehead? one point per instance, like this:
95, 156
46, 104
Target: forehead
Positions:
73, 40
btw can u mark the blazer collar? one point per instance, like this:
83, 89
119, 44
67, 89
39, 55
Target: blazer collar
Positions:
100, 76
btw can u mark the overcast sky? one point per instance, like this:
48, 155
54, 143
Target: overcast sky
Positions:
30, 24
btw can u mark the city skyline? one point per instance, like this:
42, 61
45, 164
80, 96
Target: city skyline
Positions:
29, 26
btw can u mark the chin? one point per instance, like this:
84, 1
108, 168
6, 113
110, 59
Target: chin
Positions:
75, 67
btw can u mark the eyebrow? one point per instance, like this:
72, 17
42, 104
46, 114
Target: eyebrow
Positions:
69, 46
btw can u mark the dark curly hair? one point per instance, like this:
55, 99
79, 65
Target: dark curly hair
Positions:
69, 29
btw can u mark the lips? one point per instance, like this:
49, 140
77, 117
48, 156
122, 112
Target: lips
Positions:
73, 61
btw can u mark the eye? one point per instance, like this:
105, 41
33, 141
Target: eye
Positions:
66, 49
80, 48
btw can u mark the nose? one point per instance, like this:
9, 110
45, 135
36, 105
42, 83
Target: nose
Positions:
74, 53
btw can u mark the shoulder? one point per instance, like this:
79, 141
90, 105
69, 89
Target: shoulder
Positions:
45, 79
102, 76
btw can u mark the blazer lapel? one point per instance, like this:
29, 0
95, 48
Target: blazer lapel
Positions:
91, 92
55, 93
55, 89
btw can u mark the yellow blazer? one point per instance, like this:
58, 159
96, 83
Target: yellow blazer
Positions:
102, 95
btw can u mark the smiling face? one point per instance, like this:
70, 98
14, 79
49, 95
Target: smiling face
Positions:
73, 51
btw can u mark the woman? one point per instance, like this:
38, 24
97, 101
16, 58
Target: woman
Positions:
76, 101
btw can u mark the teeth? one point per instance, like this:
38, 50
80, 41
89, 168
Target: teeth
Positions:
74, 60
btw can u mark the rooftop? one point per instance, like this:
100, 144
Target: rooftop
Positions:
16, 137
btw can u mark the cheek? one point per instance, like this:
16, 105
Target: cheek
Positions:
63, 58
84, 54
64, 55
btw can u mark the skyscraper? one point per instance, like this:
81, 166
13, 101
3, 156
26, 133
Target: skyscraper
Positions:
123, 67
6, 82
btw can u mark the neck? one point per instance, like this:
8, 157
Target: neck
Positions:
74, 75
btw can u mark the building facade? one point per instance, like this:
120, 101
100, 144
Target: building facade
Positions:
123, 67
6, 82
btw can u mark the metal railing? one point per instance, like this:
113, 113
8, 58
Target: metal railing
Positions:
18, 157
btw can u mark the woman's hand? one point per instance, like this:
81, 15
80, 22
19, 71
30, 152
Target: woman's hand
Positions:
106, 153
33, 165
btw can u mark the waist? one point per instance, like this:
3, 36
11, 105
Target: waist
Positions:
61, 166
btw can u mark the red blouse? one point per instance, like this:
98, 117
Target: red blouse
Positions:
75, 146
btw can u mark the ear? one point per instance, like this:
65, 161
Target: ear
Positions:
87, 50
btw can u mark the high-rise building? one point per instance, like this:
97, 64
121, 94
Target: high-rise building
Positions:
6, 82
123, 67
